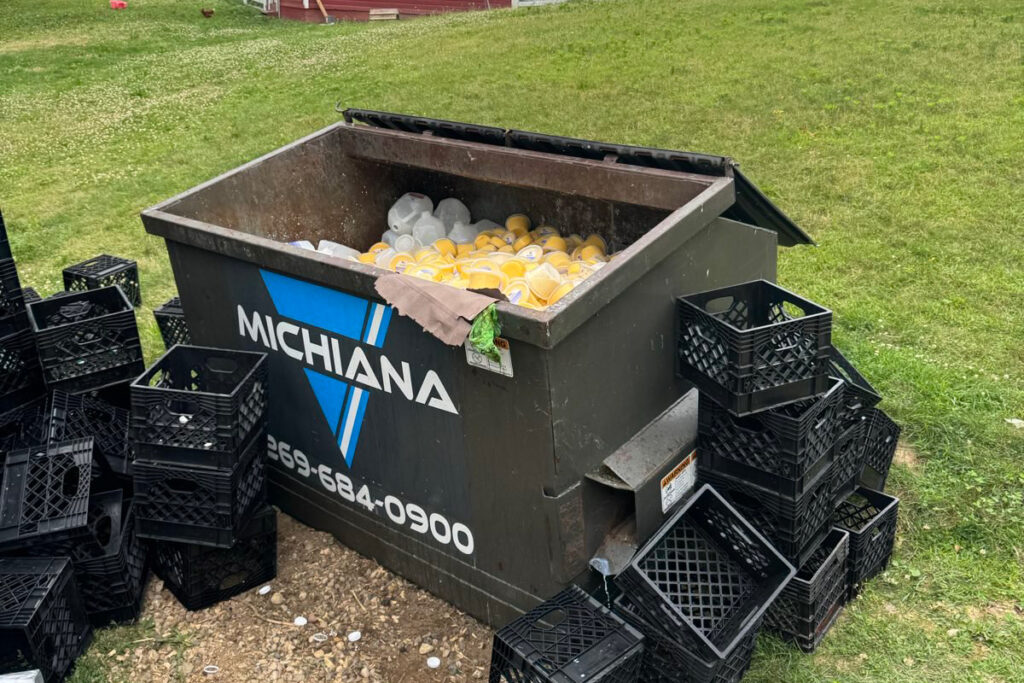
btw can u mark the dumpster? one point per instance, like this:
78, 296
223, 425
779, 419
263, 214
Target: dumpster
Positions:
486, 485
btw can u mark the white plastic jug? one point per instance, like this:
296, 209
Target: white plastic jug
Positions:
450, 211
428, 229
389, 236
339, 250
462, 233
406, 244
404, 213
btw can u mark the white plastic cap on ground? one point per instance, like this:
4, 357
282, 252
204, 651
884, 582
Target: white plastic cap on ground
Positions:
450, 211
428, 229
404, 212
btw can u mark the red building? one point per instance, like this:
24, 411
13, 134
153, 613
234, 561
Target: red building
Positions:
359, 10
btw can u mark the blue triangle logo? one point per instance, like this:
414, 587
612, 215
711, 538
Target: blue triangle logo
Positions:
330, 394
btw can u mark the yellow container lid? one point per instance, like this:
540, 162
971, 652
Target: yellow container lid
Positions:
514, 267
553, 243
518, 221
463, 249
558, 259
484, 279
424, 272
543, 280
560, 291
444, 246
534, 252
522, 242
595, 240
378, 247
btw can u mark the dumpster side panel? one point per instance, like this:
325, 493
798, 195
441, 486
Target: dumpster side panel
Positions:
375, 424
616, 372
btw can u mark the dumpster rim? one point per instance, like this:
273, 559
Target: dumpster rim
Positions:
545, 328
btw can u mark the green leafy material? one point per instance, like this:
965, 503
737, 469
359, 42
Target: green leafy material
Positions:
485, 328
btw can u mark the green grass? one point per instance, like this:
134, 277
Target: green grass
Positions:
891, 131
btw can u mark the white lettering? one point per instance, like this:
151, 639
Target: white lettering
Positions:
359, 362
288, 328
442, 400
316, 349
326, 353
254, 330
389, 374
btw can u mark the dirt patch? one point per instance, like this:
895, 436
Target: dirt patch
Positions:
996, 610
42, 43
253, 637
907, 456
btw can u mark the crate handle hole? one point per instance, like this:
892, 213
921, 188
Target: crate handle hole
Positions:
103, 530
182, 485
551, 620
719, 305
223, 366
232, 580
69, 482
183, 407
792, 311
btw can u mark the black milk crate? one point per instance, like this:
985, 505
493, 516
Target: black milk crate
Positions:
117, 394
784, 449
795, 525
859, 396
707, 575
24, 426
43, 624
105, 271
881, 438
870, 518
666, 661
753, 346
87, 339
205, 506
45, 494
848, 459
21, 380
112, 585
79, 416
571, 637
199, 405
813, 600
103, 519
12, 299
5, 245
170, 318
30, 295
200, 577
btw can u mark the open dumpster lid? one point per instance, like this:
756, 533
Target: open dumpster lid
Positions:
751, 206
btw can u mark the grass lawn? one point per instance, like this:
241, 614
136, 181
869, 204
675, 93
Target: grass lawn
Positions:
893, 131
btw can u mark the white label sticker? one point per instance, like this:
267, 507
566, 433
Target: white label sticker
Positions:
678, 482
479, 360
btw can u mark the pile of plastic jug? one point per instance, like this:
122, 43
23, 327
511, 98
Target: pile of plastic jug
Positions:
532, 266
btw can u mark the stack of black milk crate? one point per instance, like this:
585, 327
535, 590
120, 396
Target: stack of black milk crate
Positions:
70, 557
198, 427
790, 435
789, 522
